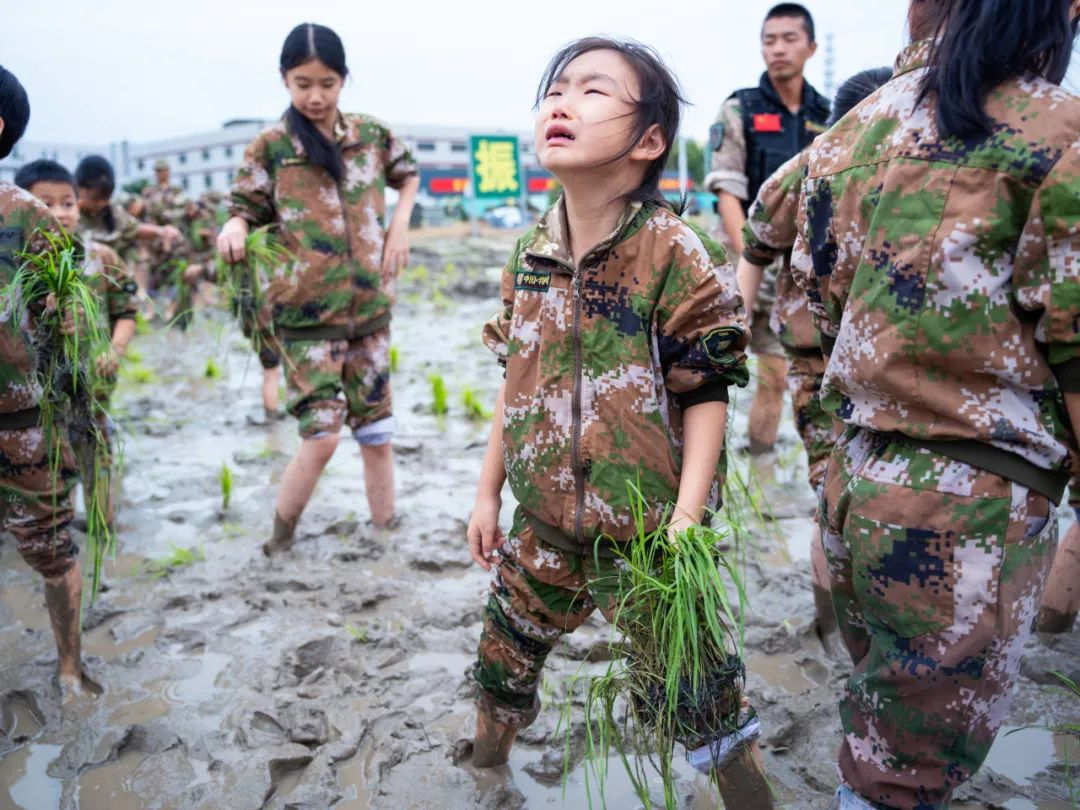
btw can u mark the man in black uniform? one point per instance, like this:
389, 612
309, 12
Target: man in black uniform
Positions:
757, 130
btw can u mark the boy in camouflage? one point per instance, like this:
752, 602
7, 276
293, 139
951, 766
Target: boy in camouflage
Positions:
109, 277
319, 176
621, 330
768, 234
35, 503
938, 247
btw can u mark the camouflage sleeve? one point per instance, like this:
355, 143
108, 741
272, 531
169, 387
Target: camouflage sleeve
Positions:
399, 161
252, 194
811, 270
496, 334
1047, 271
770, 228
701, 323
127, 227
727, 152
121, 289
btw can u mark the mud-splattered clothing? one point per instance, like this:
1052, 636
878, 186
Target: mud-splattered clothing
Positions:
936, 570
769, 234
602, 358
944, 274
333, 232
319, 373
539, 593
36, 505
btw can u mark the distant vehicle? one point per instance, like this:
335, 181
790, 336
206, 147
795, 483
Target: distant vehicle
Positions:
505, 216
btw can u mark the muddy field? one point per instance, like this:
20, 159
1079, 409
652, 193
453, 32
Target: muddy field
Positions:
335, 675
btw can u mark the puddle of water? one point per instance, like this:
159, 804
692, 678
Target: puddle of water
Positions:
197, 688
1024, 753
140, 712
24, 782
781, 670
108, 787
101, 643
20, 720
350, 774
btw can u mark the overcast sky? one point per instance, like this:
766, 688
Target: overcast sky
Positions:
118, 69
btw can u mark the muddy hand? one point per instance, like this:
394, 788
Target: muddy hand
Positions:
483, 534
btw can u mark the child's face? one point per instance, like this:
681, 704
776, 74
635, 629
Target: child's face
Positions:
91, 202
61, 200
314, 89
587, 117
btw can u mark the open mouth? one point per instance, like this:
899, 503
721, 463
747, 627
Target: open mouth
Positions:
557, 133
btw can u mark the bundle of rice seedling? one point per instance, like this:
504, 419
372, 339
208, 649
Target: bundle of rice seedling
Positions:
679, 674
68, 333
245, 282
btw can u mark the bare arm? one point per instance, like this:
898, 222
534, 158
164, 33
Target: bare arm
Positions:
483, 533
703, 439
396, 249
731, 212
122, 334
749, 276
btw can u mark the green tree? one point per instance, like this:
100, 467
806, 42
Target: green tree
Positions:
695, 160
135, 187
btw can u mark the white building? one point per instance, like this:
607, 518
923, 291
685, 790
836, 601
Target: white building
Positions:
208, 160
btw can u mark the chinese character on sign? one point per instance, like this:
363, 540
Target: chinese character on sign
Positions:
495, 166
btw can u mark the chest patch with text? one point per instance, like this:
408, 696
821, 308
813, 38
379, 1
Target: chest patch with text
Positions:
532, 280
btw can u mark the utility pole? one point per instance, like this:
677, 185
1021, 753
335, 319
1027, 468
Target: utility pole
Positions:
684, 174
830, 65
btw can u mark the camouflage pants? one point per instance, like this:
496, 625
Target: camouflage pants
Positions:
813, 423
36, 508
256, 326
936, 569
319, 372
539, 594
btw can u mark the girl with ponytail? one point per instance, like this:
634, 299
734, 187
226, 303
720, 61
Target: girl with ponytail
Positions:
318, 177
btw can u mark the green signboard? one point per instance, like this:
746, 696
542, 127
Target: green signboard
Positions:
494, 166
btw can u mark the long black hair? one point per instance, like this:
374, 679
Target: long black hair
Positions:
14, 109
660, 101
856, 89
305, 43
95, 174
983, 43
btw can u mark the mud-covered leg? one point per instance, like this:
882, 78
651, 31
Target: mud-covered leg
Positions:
536, 596
1061, 600
379, 481
63, 597
366, 382
271, 397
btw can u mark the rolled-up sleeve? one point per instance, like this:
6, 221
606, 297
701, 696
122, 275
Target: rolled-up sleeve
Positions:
399, 161
727, 163
771, 226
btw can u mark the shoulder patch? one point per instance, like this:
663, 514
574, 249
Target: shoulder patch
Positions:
718, 344
716, 136
534, 280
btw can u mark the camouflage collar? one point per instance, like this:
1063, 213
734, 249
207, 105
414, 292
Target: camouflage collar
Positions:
916, 55
341, 129
550, 240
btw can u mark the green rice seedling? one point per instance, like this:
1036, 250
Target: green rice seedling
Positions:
438, 395
177, 558
474, 408
678, 671
133, 355
138, 374
245, 282
183, 295
226, 481
213, 370
69, 332
359, 634
395, 359
142, 325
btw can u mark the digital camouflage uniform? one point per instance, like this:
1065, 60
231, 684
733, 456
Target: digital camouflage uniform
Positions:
121, 236
165, 205
330, 303
769, 232
943, 275
601, 361
36, 505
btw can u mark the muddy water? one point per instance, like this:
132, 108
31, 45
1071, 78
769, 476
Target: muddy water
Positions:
335, 676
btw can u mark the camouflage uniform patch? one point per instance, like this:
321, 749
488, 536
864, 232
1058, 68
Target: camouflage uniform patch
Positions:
318, 372
936, 570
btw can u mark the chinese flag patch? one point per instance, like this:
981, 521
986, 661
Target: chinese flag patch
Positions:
767, 122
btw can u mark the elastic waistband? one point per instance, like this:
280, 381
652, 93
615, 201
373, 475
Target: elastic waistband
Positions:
21, 420
1051, 483
554, 536
803, 351
336, 331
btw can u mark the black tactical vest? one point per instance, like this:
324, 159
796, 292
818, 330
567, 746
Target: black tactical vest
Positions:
773, 133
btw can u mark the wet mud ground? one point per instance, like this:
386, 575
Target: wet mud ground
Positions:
335, 676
